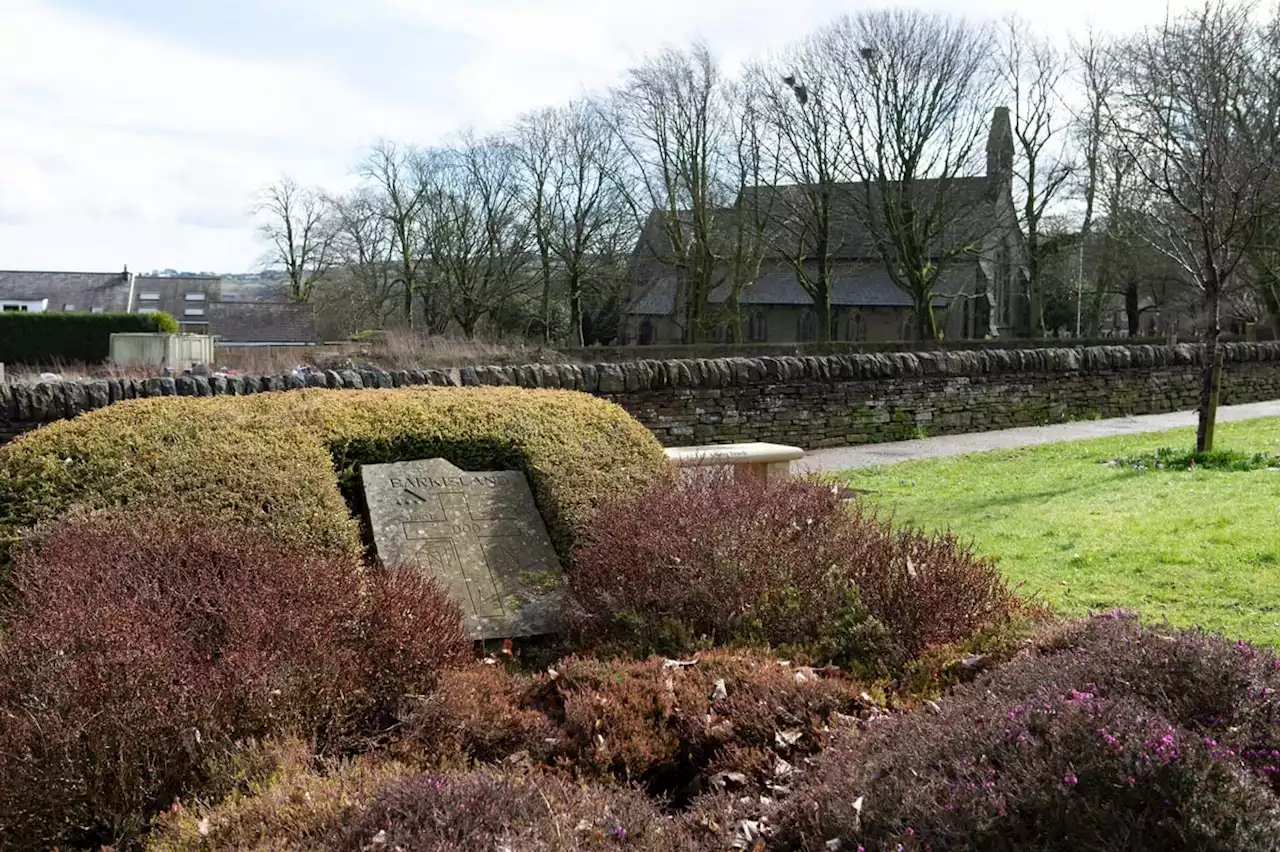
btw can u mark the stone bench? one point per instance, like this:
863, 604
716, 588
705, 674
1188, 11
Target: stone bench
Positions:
763, 461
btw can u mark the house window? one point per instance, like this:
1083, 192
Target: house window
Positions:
908, 329
646, 332
193, 312
855, 327
808, 326
149, 297
195, 297
1004, 294
146, 310
68, 307
15, 307
758, 327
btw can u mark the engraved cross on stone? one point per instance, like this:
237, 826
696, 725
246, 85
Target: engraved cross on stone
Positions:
480, 533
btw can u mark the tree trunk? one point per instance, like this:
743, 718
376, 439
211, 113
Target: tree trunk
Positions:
1210, 373
468, 322
1034, 291
824, 317
408, 304
575, 310
546, 298
926, 322
1133, 313
735, 317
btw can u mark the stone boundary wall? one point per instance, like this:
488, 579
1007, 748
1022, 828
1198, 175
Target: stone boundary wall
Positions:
810, 402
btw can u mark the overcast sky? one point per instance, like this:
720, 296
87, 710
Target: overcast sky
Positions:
138, 131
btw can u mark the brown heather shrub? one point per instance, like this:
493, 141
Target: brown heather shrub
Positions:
477, 714
283, 797
139, 647
277, 460
530, 813
298, 802
786, 563
1105, 736
652, 722
660, 724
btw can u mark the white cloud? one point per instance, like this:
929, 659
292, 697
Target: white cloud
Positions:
527, 53
109, 131
118, 146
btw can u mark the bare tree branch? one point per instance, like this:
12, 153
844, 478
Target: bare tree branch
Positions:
1031, 73
920, 91
1197, 111
300, 229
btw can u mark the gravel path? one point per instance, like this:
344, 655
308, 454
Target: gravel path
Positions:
869, 455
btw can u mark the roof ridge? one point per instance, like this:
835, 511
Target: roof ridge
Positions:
52, 272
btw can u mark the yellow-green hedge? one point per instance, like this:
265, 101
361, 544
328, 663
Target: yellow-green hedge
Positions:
284, 459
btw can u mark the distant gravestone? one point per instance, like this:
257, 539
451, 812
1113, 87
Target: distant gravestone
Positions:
478, 532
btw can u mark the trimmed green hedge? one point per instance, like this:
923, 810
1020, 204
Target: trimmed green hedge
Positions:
286, 460
45, 339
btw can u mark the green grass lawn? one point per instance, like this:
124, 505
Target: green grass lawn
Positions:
1199, 547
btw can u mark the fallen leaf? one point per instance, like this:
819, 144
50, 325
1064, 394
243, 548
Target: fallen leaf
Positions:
724, 779
721, 692
786, 739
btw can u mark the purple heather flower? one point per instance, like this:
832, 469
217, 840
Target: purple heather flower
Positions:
1070, 780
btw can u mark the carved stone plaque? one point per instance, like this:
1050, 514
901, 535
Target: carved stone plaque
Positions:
479, 533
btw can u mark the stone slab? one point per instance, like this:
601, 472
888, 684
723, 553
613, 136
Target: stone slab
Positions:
479, 533
745, 453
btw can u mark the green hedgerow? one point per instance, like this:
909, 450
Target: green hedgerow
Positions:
285, 460
46, 338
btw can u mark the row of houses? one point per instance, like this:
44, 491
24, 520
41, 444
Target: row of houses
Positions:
232, 311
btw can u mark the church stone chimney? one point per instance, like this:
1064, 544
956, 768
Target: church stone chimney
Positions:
1000, 154
1000, 145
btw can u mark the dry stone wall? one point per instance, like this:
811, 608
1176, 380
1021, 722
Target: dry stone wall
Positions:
810, 402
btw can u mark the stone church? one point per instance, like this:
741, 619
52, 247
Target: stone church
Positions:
982, 293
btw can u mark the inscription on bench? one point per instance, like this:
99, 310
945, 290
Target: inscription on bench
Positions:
479, 533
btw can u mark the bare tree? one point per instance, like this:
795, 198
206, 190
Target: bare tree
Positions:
1032, 70
399, 177
668, 116
590, 213
1197, 110
478, 233
1097, 80
573, 164
802, 107
300, 228
920, 90
536, 137
365, 263
750, 164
